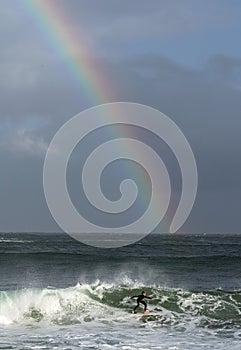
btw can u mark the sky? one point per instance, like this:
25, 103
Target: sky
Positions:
181, 57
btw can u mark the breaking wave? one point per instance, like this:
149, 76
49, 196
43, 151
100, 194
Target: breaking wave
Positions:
109, 303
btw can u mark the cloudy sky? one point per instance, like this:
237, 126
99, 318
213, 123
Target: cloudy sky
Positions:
180, 57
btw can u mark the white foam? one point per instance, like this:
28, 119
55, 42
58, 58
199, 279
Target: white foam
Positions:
69, 305
5, 321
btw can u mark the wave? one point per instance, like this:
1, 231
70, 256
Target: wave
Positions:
110, 302
4, 240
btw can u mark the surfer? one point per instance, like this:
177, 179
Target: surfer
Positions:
141, 301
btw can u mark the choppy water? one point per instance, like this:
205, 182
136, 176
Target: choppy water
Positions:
59, 294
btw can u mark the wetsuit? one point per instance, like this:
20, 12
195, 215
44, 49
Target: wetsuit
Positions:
140, 301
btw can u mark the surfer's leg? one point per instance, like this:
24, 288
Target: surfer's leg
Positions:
136, 307
145, 305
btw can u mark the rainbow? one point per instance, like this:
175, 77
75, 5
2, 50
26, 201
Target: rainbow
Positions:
73, 51
71, 48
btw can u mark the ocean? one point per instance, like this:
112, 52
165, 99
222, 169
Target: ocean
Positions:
56, 293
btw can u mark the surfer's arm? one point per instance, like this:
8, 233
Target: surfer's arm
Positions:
134, 296
149, 298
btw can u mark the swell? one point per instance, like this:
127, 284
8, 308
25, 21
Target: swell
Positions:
110, 302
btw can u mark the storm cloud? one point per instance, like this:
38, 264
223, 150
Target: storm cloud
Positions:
136, 45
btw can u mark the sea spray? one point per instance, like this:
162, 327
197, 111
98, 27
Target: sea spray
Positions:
110, 302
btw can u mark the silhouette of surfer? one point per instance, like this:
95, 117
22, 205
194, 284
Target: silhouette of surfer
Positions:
141, 301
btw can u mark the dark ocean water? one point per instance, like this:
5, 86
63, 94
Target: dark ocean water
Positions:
58, 293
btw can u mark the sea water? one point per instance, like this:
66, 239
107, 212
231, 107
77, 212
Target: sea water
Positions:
56, 293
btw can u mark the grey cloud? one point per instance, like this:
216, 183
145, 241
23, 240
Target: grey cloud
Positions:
37, 95
147, 18
208, 112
